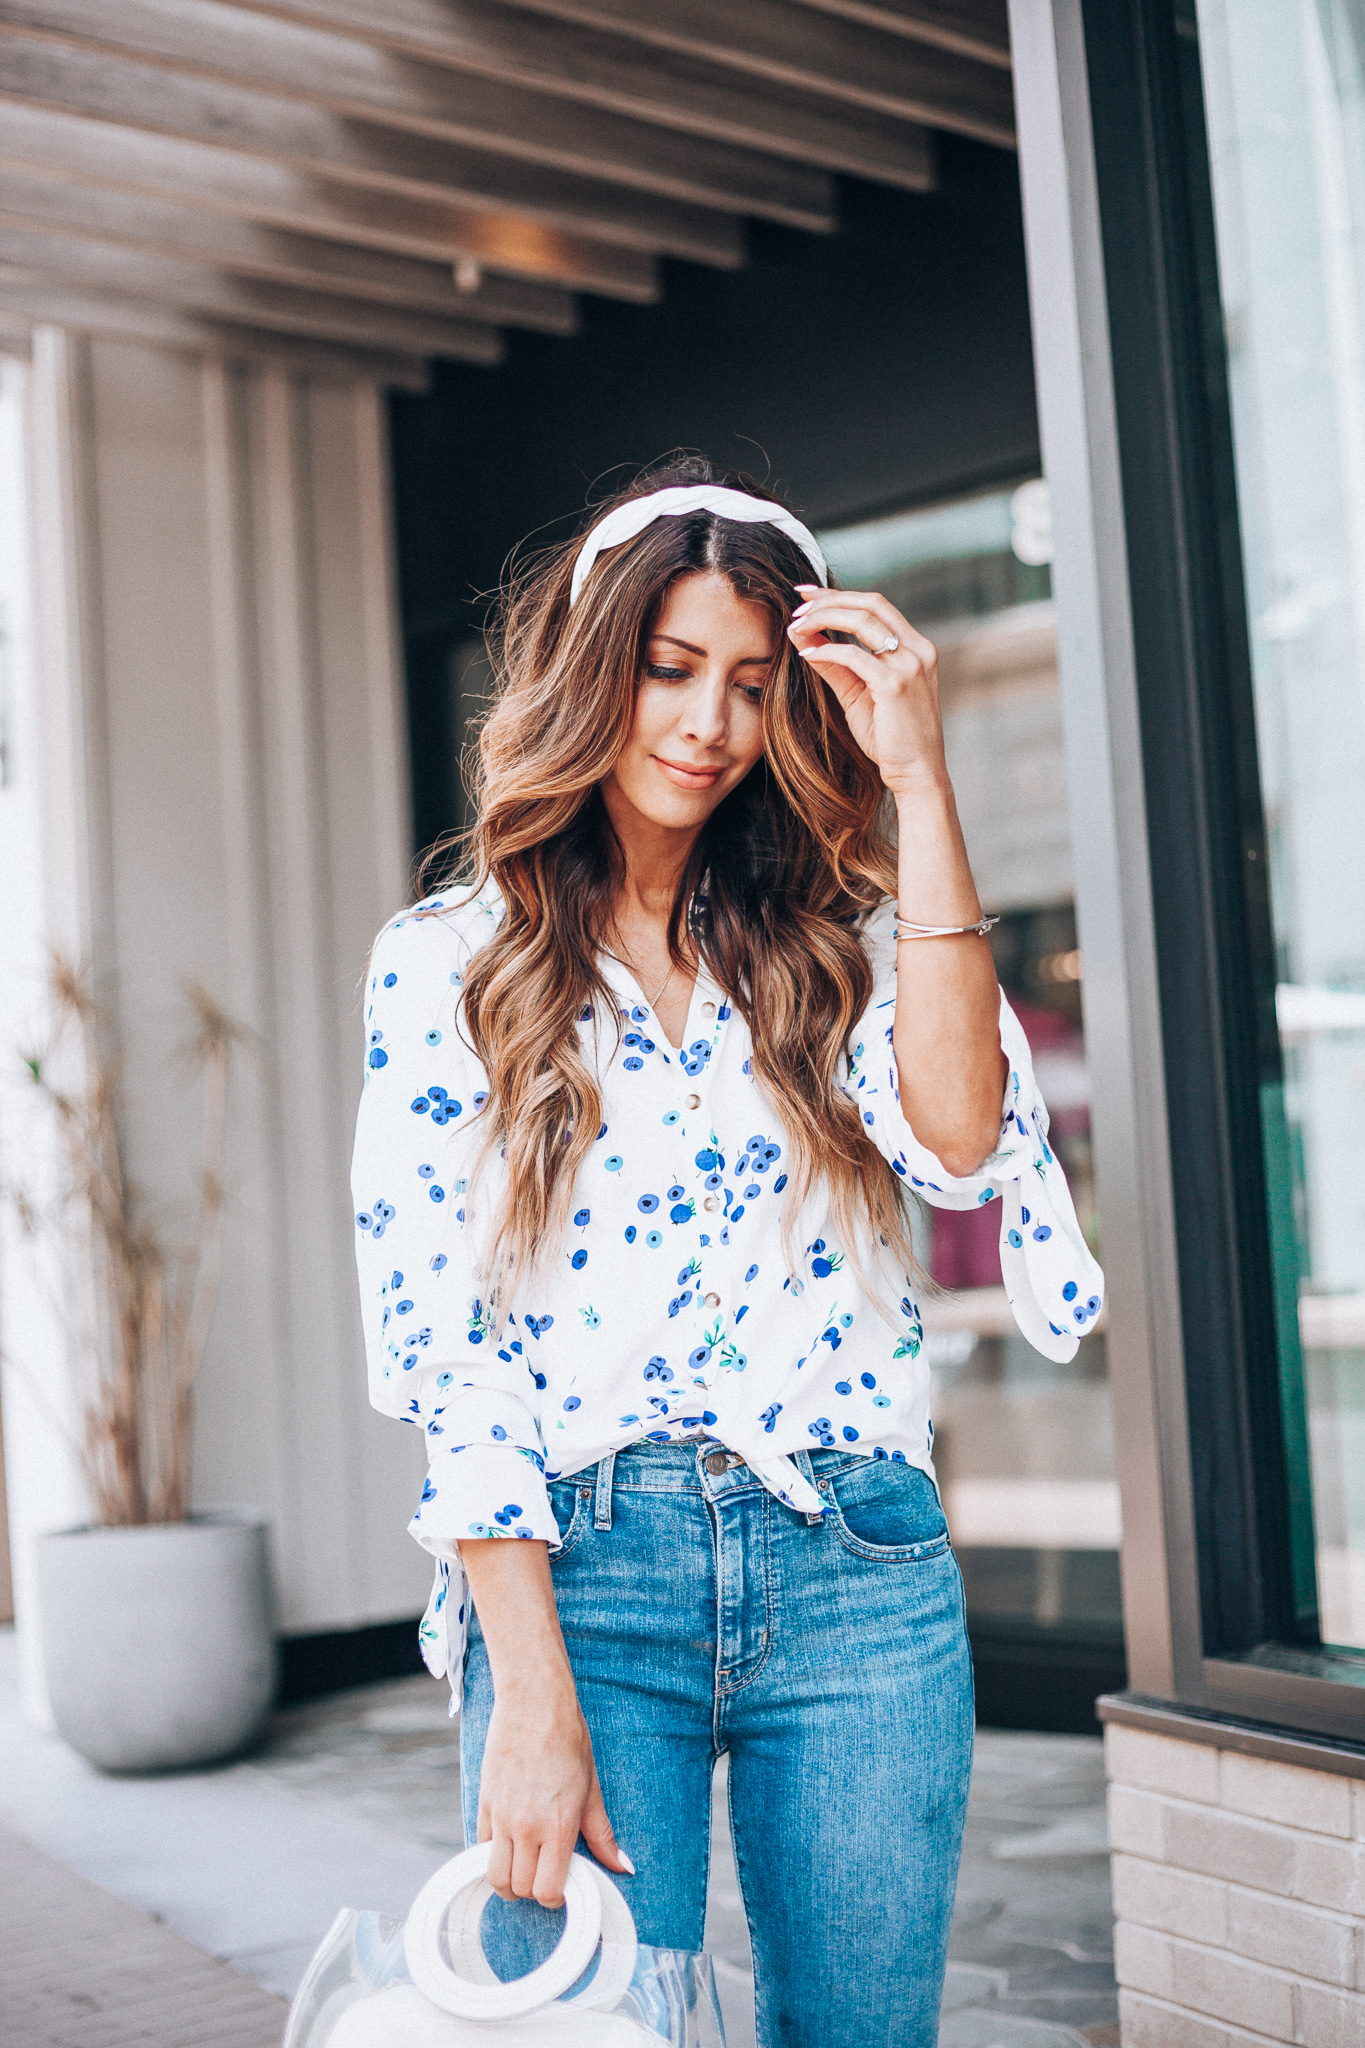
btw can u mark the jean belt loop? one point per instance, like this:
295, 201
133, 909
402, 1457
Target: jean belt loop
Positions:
801, 1459
602, 1506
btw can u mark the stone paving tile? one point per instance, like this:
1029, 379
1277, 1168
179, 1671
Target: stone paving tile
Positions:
82, 1969
996, 2030
386, 1753
1031, 1955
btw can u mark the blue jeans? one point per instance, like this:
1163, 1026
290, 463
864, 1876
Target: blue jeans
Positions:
830, 1659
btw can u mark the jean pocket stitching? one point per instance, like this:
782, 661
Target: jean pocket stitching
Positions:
887, 1553
578, 1523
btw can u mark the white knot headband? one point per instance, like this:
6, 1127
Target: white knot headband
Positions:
675, 503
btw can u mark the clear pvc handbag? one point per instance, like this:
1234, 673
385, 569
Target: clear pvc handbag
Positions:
425, 1982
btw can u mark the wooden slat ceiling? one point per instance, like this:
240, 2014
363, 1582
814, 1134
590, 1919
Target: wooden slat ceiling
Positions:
403, 179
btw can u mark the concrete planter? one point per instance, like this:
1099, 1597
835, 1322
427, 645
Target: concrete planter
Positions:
158, 1642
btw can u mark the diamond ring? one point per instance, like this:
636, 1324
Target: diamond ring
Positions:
889, 645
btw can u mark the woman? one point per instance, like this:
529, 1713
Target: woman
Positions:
644, 1104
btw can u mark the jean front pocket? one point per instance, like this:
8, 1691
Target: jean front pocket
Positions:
887, 1512
571, 1506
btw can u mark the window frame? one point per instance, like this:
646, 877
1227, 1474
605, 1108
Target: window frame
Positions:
1172, 891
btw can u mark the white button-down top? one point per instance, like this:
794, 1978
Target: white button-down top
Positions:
670, 1310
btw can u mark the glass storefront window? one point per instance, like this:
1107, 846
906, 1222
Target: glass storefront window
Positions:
1024, 1448
1284, 84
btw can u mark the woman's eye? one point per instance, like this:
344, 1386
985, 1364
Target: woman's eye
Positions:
753, 691
657, 673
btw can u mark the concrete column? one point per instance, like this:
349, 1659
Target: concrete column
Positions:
209, 783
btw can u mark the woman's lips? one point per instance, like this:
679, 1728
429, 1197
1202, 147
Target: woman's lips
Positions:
689, 778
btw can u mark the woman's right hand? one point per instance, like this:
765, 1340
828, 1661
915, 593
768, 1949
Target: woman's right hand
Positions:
538, 1788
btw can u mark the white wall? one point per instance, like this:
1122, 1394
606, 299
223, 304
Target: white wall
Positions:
216, 790
42, 1485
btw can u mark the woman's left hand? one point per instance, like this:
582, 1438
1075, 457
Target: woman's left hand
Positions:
889, 698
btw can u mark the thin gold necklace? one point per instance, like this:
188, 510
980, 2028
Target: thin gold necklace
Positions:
632, 969
663, 985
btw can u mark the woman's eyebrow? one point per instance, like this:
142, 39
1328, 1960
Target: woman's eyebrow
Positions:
745, 660
674, 641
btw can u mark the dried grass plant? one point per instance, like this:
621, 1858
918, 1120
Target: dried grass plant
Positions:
144, 1323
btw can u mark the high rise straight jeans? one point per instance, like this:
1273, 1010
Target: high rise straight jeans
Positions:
829, 1659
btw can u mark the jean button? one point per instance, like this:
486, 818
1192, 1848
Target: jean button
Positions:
717, 1463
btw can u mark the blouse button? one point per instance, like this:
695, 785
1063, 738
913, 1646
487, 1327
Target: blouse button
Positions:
713, 1301
708, 1009
691, 1102
712, 1203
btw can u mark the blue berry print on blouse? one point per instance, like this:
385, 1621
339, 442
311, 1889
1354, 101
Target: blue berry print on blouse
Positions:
376, 1219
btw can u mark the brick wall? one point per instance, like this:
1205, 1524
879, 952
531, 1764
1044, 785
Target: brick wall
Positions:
1239, 1897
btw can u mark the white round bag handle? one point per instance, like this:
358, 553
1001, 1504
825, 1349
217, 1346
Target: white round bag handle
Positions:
451, 1904
620, 1946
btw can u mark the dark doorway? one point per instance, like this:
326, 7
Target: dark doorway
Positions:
885, 365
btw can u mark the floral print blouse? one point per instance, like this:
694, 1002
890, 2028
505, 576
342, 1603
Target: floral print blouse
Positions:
670, 1311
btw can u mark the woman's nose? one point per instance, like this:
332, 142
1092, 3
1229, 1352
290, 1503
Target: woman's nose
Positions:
704, 714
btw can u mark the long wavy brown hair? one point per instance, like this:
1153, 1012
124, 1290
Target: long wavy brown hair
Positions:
770, 897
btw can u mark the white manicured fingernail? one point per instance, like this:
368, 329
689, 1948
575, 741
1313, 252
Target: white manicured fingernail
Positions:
625, 1861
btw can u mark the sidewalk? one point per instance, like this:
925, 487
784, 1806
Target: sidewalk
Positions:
1031, 1961
354, 1800
80, 1969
